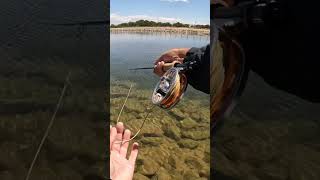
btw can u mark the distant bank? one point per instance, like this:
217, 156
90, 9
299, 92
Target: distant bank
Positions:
177, 30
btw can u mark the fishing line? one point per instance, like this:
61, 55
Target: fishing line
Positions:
125, 101
137, 133
49, 125
167, 94
144, 120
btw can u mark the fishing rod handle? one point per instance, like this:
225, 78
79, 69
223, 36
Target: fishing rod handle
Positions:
170, 65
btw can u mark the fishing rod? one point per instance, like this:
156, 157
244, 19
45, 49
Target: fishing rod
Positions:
167, 66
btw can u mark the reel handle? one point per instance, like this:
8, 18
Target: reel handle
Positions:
168, 66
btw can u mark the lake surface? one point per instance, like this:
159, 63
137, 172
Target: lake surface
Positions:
141, 50
175, 144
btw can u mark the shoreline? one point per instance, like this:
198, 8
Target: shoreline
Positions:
176, 30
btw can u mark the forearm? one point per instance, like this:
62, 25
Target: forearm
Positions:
199, 76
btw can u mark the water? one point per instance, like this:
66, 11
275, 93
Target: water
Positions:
173, 144
141, 50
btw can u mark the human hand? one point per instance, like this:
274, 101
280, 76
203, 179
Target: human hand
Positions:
121, 168
177, 54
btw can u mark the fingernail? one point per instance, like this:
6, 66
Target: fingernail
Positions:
127, 131
120, 123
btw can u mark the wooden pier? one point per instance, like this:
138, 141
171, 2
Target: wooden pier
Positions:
176, 30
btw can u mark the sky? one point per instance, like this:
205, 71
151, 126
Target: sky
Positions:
184, 11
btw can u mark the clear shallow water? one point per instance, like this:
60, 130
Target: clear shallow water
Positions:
173, 144
141, 50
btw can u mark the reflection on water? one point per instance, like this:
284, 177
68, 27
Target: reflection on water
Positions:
175, 143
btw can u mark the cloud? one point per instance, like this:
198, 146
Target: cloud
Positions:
117, 18
185, 1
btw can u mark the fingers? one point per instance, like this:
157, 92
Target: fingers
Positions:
158, 69
133, 154
167, 58
113, 133
120, 128
124, 146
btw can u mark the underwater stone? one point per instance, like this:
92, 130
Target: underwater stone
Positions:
177, 114
149, 167
139, 176
188, 123
46, 173
176, 175
176, 161
66, 172
188, 143
6, 175
149, 129
193, 162
196, 116
162, 174
172, 161
9, 156
172, 132
196, 135
204, 172
152, 141
190, 175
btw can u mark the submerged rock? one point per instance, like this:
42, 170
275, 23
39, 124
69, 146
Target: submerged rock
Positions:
188, 123
152, 141
176, 113
149, 167
205, 172
148, 130
190, 175
172, 132
6, 175
188, 143
176, 175
193, 162
196, 135
173, 161
162, 174
139, 176
47, 174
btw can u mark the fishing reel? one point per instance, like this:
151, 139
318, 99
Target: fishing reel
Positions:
171, 86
